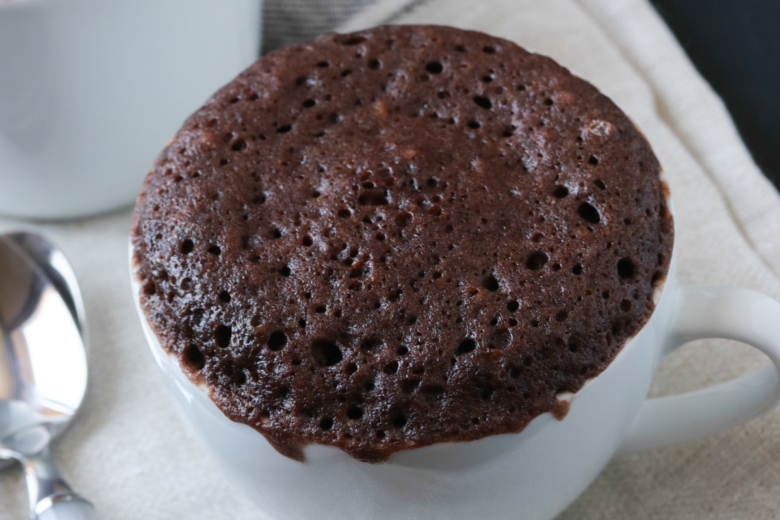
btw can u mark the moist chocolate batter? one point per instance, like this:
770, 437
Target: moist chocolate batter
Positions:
404, 236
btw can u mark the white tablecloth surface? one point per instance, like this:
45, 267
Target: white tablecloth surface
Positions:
130, 454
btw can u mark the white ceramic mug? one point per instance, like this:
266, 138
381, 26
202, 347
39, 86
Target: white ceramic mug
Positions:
531, 475
91, 90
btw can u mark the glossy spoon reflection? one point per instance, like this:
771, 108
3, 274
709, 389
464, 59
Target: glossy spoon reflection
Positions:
43, 367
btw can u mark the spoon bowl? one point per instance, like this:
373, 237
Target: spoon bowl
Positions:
56, 267
43, 365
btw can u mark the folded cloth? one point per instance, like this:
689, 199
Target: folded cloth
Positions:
286, 22
130, 454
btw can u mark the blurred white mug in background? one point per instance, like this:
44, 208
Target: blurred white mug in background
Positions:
91, 90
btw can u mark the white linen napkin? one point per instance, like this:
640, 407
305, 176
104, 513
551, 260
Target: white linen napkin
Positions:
130, 454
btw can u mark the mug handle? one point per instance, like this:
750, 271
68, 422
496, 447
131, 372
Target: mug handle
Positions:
714, 312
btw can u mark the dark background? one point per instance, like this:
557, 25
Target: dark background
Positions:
735, 44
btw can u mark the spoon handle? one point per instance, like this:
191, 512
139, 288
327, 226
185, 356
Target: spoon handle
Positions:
51, 498
74, 510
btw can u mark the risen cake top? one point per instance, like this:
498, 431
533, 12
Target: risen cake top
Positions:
398, 237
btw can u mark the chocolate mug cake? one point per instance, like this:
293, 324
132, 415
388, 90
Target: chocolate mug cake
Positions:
399, 237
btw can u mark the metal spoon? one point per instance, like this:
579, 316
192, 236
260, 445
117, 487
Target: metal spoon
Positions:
43, 367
